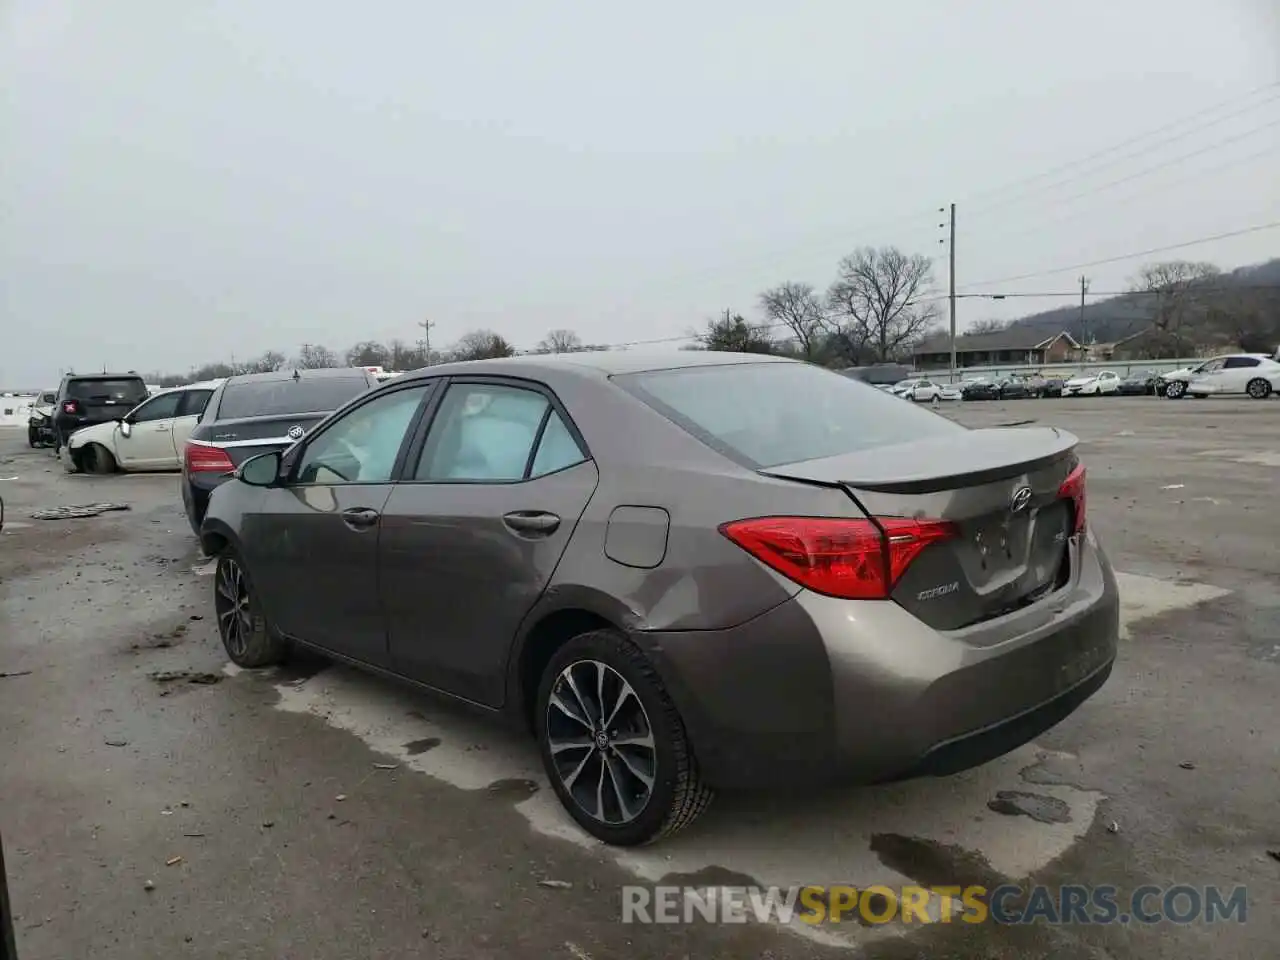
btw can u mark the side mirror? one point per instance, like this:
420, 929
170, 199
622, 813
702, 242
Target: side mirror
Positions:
261, 471
126, 428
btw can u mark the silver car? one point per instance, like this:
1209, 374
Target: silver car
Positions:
681, 572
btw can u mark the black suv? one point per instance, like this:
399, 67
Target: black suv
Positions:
85, 399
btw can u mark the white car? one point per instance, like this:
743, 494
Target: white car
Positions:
903, 388
1092, 384
151, 436
927, 391
1254, 374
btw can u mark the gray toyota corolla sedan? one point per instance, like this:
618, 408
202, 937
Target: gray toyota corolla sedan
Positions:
682, 571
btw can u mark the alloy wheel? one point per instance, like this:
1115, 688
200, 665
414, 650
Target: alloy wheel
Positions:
231, 603
1258, 389
601, 742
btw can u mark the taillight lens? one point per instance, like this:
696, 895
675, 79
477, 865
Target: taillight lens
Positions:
1073, 489
202, 459
70, 407
855, 559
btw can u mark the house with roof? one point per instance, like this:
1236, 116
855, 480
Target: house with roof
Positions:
1016, 345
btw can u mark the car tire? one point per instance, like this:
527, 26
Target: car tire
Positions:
246, 636
33, 437
1258, 388
96, 458
607, 668
1175, 390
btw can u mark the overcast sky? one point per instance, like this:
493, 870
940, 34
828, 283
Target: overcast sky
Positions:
185, 181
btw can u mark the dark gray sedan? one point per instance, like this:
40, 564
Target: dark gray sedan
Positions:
681, 571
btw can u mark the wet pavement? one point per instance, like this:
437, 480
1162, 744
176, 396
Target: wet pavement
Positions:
315, 811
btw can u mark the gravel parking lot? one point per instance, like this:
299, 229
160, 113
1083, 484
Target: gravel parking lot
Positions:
156, 803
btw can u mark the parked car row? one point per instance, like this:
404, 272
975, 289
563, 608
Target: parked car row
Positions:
1255, 375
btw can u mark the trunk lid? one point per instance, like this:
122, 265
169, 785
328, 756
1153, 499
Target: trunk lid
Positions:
999, 487
250, 436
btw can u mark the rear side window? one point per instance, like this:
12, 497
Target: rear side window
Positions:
103, 390
195, 402
48, 398
279, 398
1236, 362
766, 414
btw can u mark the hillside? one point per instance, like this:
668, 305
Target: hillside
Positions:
1116, 317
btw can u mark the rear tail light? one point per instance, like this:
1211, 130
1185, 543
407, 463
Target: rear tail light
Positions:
204, 459
1073, 489
855, 559
71, 406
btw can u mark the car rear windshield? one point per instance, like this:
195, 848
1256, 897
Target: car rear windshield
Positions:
278, 398
104, 390
766, 414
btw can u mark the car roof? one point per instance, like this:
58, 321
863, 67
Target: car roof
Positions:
601, 363
289, 373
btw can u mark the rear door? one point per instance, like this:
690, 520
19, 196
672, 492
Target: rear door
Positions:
149, 445
474, 531
1237, 372
313, 545
999, 487
193, 404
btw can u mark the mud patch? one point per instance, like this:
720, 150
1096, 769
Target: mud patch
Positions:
198, 677
1037, 806
415, 747
1056, 770
710, 876
80, 511
934, 864
516, 789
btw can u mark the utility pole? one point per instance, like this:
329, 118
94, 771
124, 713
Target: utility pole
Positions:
1084, 330
426, 326
952, 277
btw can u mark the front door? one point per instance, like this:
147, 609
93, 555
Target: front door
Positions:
475, 529
315, 560
149, 445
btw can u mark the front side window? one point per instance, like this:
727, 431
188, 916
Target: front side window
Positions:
162, 407
363, 445
1213, 366
487, 432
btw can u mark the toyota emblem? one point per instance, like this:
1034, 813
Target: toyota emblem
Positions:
1021, 497
295, 433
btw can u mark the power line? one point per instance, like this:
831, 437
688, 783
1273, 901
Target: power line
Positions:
984, 211
1207, 111
1130, 256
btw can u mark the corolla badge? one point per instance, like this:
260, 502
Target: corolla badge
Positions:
1021, 497
295, 433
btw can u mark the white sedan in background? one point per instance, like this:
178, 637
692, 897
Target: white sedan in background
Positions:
1254, 374
1092, 384
929, 391
149, 437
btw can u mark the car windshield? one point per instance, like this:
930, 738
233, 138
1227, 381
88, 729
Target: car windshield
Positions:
278, 398
766, 414
102, 390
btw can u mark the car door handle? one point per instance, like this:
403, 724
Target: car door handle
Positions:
360, 518
537, 522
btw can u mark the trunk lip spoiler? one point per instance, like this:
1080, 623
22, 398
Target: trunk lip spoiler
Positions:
1054, 444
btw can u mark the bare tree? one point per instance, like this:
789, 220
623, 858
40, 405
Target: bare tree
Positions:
797, 307
560, 341
877, 301
269, 362
313, 356
1176, 300
988, 326
368, 353
482, 345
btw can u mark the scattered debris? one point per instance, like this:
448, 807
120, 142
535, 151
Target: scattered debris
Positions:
1187, 765
185, 803
268, 824
576, 951
166, 812
148, 885
1274, 854
193, 834
190, 676
386, 766
196, 616
1113, 827
77, 512
340, 797
1174, 486
116, 743
15, 673
172, 860
556, 884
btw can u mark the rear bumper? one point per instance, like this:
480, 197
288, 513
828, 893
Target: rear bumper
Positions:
197, 488
819, 690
